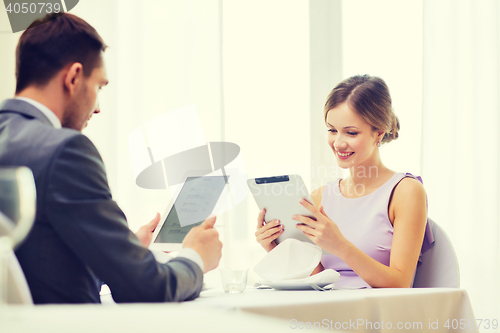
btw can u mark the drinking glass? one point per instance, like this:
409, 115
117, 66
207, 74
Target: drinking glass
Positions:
233, 280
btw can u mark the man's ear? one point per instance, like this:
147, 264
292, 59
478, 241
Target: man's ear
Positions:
73, 77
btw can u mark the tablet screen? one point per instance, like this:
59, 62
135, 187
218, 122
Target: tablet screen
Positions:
193, 205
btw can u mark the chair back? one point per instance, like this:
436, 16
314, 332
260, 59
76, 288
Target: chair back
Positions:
439, 267
17, 214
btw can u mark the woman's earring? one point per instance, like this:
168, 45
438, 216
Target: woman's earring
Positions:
378, 144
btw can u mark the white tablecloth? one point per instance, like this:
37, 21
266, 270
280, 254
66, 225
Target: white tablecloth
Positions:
367, 310
137, 318
364, 310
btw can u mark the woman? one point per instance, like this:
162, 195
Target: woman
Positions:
374, 221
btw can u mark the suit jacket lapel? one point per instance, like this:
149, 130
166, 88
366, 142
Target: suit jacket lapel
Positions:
23, 108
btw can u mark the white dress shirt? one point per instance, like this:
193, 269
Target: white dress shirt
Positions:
43, 109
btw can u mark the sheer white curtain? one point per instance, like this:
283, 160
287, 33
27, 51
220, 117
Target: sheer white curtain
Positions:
451, 58
266, 96
162, 55
384, 38
461, 138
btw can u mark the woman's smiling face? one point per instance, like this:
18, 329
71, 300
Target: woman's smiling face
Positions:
352, 139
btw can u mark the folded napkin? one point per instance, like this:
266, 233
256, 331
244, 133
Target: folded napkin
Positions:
291, 259
326, 277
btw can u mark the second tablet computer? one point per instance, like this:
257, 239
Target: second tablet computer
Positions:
280, 197
195, 202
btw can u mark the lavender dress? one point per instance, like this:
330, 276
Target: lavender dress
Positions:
365, 222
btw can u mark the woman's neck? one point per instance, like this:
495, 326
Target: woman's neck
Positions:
371, 173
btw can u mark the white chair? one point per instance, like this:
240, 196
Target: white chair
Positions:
439, 268
17, 214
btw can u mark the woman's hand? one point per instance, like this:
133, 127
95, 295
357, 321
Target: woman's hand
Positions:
267, 233
322, 231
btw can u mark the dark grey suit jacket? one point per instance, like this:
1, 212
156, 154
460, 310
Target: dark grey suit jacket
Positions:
80, 235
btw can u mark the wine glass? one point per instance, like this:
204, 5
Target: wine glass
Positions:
17, 213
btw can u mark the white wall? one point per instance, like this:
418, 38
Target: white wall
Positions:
8, 42
266, 95
384, 38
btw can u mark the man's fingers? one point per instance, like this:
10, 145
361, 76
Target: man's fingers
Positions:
154, 222
209, 222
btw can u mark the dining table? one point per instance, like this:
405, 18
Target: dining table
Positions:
258, 309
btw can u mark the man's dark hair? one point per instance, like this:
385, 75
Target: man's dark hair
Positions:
51, 43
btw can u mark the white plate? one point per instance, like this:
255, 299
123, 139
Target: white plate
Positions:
292, 285
317, 281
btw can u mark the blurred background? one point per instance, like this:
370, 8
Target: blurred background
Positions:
259, 72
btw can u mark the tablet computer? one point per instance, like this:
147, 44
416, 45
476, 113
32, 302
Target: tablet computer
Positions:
280, 196
196, 200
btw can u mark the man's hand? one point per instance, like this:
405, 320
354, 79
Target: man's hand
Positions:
204, 239
145, 233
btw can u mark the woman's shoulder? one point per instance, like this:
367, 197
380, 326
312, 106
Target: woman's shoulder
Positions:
409, 187
407, 196
410, 181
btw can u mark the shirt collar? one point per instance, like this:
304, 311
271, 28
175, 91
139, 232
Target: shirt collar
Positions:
43, 109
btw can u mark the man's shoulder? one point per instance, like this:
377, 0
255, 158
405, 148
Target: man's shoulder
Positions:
69, 145
61, 136
50, 139
24, 122
45, 135
39, 141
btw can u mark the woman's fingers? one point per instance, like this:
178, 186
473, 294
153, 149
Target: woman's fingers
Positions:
270, 224
307, 230
322, 210
267, 232
310, 207
267, 226
267, 239
271, 232
305, 220
260, 218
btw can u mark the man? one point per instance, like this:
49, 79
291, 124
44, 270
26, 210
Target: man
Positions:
80, 236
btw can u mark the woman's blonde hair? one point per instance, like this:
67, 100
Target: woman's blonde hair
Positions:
369, 97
